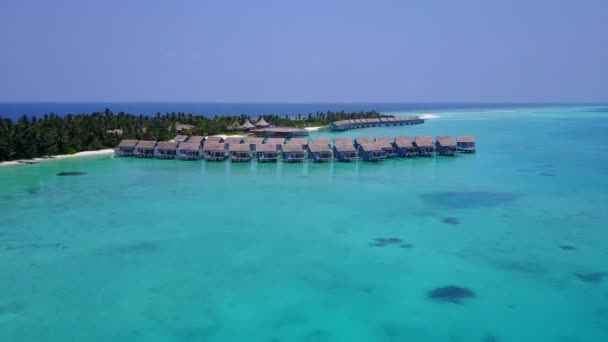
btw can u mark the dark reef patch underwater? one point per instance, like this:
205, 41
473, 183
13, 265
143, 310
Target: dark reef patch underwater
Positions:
593, 277
469, 199
451, 294
72, 173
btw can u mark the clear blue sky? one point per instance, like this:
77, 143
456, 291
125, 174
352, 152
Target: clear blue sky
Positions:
304, 51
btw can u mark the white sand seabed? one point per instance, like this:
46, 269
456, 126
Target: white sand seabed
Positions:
104, 152
428, 116
314, 129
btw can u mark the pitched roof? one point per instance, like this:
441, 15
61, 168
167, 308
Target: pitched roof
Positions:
127, 143
196, 139
181, 138
319, 141
345, 148
266, 148
342, 141
214, 139
233, 140
214, 146
298, 141
403, 137
446, 141
293, 148
146, 144
167, 145
403, 143
466, 138
262, 123
319, 148
255, 140
276, 141
363, 140
238, 148
424, 141
382, 139
189, 146
247, 125
368, 147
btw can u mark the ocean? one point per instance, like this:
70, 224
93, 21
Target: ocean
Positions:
508, 244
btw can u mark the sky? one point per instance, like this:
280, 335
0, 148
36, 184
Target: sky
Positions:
304, 51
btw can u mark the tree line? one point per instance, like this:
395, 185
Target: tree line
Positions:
29, 137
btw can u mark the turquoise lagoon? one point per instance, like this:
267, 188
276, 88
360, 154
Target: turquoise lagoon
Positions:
151, 250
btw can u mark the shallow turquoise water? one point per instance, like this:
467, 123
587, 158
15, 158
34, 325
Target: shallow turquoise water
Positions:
150, 250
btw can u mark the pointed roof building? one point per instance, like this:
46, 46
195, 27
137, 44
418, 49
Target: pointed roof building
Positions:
262, 123
247, 125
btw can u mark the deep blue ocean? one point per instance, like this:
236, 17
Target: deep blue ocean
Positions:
14, 110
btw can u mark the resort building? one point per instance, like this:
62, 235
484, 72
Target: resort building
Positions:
239, 153
299, 141
183, 127
166, 150
363, 140
321, 141
253, 141
371, 152
126, 148
284, 132
145, 149
189, 151
424, 146
214, 151
344, 125
278, 142
197, 139
446, 145
214, 139
405, 146
247, 126
229, 141
344, 152
180, 138
293, 153
262, 123
388, 147
466, 144
343, 141
266, 153
319, 153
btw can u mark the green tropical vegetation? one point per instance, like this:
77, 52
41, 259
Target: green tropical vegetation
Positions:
30, 137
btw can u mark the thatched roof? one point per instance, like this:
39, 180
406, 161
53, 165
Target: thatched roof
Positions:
363, 140
183, 127
266, 148
196, 139
262, 123
319, 148
343, 141
405, 138
466, 138
146, 144
214, 139
128, 143
446, 141
181, 138
167, 145
214, 146
383, 139
369, 147
298, 141
247, 125
424, 141
321, 141
276, 141
233, 140
293, 148
345, 148
254, 140
189, 146
238, 148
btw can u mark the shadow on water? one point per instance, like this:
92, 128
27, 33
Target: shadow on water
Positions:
451, 294
71, 173
593, 277
472, 199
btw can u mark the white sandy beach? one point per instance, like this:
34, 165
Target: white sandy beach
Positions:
107, 151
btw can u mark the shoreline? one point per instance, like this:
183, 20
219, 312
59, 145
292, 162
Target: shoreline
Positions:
103, 152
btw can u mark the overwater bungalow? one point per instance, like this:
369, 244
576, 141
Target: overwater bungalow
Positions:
126, 148
319, 153
189, 151
424, 146
278, 142
266, 153
214, 139
166, 150
446, 145
405, 146
344, 152
343, 141
253, 141
197, 139
371, 152
466, 144
239, 153
293, 153
299, 141
321, 141
234, 140
145, 149
214, 151
344, 125
388, 147
363, 140
384, 139
180, 138
284, 132
262, 123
